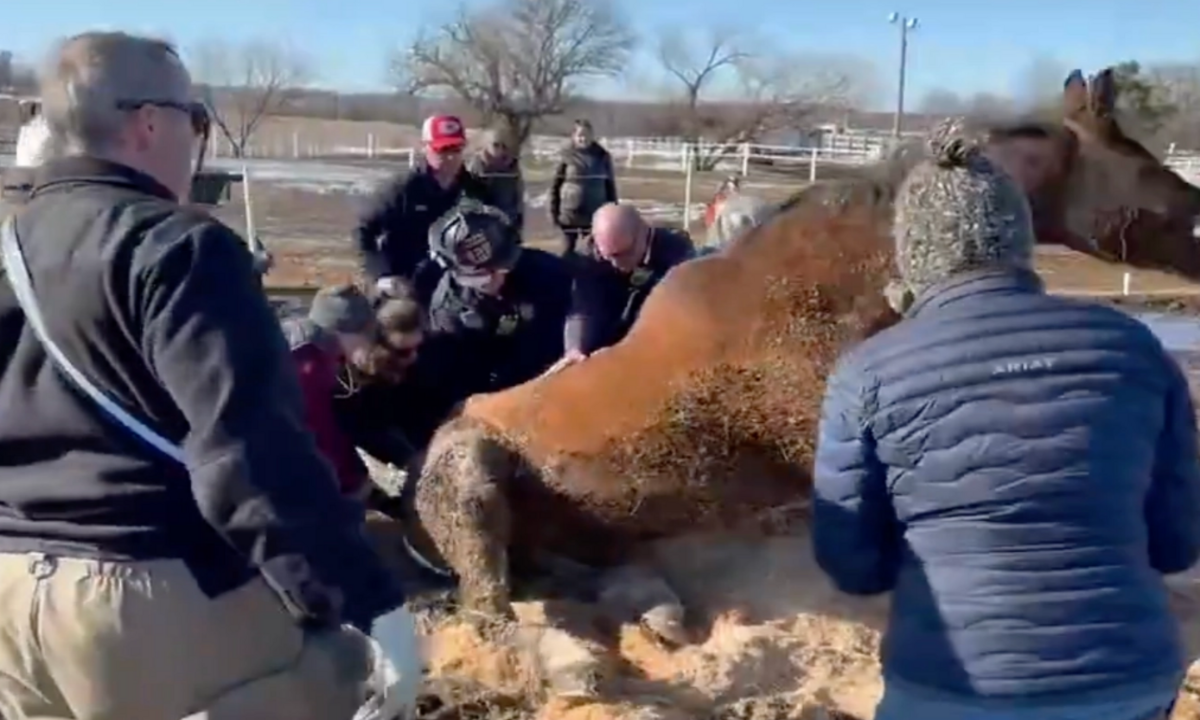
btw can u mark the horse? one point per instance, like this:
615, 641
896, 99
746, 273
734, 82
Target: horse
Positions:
704, 417
1125, 205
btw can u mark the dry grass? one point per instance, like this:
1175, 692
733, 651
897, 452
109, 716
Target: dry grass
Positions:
277, 133
1078, 274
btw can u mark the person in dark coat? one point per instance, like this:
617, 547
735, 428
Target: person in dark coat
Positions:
496, 319
337, 334
1019, 469
623, 262
498, 166
383, 403
393, 230
583, 181
193, 554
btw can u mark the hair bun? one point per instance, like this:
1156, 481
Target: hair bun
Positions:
950, 146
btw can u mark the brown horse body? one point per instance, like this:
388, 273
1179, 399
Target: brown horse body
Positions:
702, 418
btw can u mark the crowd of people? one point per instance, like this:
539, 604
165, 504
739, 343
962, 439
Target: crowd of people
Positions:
181, 490
182, 496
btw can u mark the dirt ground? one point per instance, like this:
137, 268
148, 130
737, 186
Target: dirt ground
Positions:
773, 641
276, 133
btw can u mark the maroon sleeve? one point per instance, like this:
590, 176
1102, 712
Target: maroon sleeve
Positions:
317, 373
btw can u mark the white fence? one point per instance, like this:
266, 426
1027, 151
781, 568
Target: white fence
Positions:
664, 154
658, 153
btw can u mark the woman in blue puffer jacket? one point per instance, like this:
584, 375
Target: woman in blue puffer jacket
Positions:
1018, 469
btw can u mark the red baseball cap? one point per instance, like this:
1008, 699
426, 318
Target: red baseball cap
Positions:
443, 132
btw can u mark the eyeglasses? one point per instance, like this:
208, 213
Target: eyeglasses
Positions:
196, 111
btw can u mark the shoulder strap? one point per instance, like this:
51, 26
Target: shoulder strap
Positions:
22, 284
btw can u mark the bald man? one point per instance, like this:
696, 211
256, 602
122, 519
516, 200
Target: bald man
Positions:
623, 261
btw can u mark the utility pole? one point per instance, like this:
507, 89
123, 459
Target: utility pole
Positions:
906, 24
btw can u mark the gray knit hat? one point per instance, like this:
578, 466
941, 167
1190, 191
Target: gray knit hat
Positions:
957, 212
342, 309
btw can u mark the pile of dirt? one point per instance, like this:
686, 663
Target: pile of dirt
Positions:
774, 642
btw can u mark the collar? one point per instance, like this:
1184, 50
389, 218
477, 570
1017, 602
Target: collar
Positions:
975, 283
68, 172
651, 233
430, 173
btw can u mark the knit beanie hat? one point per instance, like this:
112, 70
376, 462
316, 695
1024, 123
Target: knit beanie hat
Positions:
956, 212
342, 309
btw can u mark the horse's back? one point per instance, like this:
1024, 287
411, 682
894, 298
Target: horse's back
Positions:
705, 410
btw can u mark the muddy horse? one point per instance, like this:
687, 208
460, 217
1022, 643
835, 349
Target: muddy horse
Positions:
704, 417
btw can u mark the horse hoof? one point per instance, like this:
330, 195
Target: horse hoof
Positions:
638, 594
666, 622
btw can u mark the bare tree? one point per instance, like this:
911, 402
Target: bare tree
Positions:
1038, 86
517, 60
247, 83
6, 69
730, 95
1179, 85
940, 101
990, 106
696, 70
14, 76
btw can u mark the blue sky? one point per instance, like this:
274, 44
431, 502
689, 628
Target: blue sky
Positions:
961, 45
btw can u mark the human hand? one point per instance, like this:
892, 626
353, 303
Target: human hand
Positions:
263, 261
391, 286
571, 357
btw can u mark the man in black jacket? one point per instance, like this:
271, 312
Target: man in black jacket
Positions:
583, 181
624, 261
497, 316
134, 584
393, 230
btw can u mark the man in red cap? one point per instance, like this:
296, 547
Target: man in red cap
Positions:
393, 230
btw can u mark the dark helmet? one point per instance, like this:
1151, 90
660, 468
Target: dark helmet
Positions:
474, 236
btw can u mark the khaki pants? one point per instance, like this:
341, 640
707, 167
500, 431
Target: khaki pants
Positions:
99, 640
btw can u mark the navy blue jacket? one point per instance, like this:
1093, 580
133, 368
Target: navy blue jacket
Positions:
481, 343
605, 301
1020, 469
393, 230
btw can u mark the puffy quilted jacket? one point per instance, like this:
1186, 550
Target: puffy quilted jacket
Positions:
1020, 469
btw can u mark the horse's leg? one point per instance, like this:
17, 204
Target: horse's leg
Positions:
461, 504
